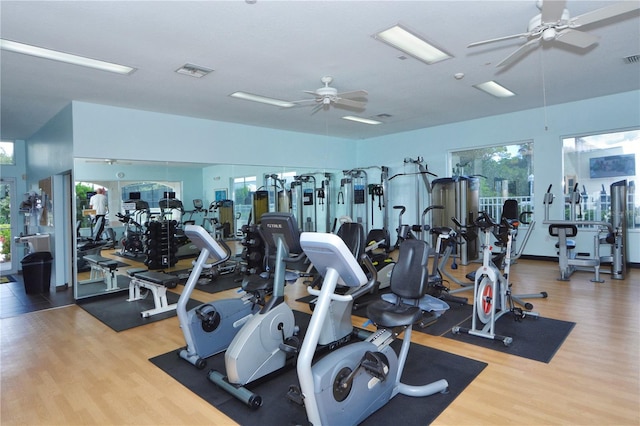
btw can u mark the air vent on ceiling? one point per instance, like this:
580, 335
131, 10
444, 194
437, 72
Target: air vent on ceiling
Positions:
193, 70
633, 59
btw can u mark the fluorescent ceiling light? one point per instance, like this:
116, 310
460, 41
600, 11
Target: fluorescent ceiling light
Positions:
412, 44
40, 52
493, 88
262, 99
361, 120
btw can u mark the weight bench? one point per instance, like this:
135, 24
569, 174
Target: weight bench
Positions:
157, 283
102, 269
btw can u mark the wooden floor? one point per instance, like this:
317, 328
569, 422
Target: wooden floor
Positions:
64, 367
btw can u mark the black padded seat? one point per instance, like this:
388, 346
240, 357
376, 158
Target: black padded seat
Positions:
133, 271
255, 283
409, 281
389, 315
160, 278
352, 233
105, 262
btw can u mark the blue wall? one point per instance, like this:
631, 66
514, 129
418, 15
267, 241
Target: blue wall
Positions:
591, 116
98, 131
103, 131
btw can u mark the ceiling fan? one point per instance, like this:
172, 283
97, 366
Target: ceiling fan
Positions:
554, 24
326, 96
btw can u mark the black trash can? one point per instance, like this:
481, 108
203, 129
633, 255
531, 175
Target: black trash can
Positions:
36, 272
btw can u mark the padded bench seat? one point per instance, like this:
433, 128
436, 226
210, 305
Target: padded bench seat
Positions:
160, 278
102, 268
157, 283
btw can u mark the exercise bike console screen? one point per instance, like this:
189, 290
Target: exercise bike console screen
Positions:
203, 240
281, 224
329, 251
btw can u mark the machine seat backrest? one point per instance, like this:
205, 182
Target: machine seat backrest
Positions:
510, 209
410, 276
352, 233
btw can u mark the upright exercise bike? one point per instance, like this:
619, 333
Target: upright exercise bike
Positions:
351, 383
492, 297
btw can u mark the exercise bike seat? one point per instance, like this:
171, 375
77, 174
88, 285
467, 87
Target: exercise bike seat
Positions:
409, 282
257, 282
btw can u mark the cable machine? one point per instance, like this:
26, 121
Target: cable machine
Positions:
303, 191
421, 174
308, 201
353, 194
279, 195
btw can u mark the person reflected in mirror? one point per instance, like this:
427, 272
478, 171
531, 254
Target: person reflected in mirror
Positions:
98, 202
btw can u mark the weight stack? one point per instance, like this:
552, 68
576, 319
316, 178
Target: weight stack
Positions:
254, 249
161, 246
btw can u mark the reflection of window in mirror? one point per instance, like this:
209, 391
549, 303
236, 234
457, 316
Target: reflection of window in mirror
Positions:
243, 189
597, 161
152, 193
6, 153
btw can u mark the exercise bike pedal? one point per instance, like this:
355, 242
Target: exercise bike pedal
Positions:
295, 395
290, 345
427, 320
376, 364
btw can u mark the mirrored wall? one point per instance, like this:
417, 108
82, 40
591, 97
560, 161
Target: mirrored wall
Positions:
221, 198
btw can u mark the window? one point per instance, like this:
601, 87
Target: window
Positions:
591, 164
506, 172
6, 153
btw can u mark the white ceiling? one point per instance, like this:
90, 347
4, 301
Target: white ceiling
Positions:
280, 48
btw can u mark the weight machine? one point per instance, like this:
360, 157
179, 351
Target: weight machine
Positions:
612, 234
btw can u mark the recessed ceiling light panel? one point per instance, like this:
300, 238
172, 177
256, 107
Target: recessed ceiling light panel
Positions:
262, 99
39, 52
361, 120
494, 89
412, 44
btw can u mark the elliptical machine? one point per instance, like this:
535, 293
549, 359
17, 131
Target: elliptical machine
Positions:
209, 328
351, 383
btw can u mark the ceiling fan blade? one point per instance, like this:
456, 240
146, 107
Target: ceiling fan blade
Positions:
318, 108
552, 10
576, 38
519, 53
478, 43
350, 103
605, 13
353, 94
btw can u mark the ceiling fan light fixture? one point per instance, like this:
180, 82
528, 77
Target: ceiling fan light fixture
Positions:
361, 120
494, 89
412, 44
549, 34
262, 99
40, 52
